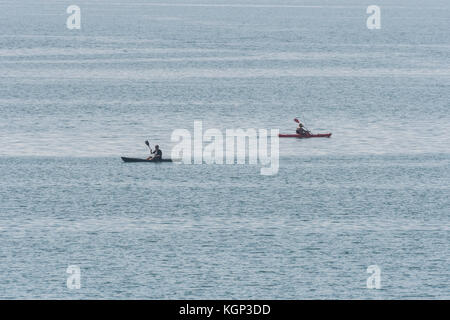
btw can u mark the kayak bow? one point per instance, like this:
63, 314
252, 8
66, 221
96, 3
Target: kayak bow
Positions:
125, 159
320, 135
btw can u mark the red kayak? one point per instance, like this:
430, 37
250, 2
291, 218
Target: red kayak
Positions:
320, 135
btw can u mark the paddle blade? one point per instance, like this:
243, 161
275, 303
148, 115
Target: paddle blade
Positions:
147, 143
296, 120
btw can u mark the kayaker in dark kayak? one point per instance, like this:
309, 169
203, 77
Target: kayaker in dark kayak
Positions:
157, 153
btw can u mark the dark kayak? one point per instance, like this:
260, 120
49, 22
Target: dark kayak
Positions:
320, 135
125, 159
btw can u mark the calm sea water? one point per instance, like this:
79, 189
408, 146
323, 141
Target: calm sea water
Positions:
73, 101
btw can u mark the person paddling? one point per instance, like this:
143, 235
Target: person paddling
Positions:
157, 153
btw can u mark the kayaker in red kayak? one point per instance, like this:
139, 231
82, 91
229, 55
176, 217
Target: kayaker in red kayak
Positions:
157, 153
301, 130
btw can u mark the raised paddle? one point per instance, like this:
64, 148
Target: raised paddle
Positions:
148, 145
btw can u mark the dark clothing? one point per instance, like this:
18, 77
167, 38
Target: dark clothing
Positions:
157, 154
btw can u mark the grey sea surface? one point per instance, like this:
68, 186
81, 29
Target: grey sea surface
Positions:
376, 193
